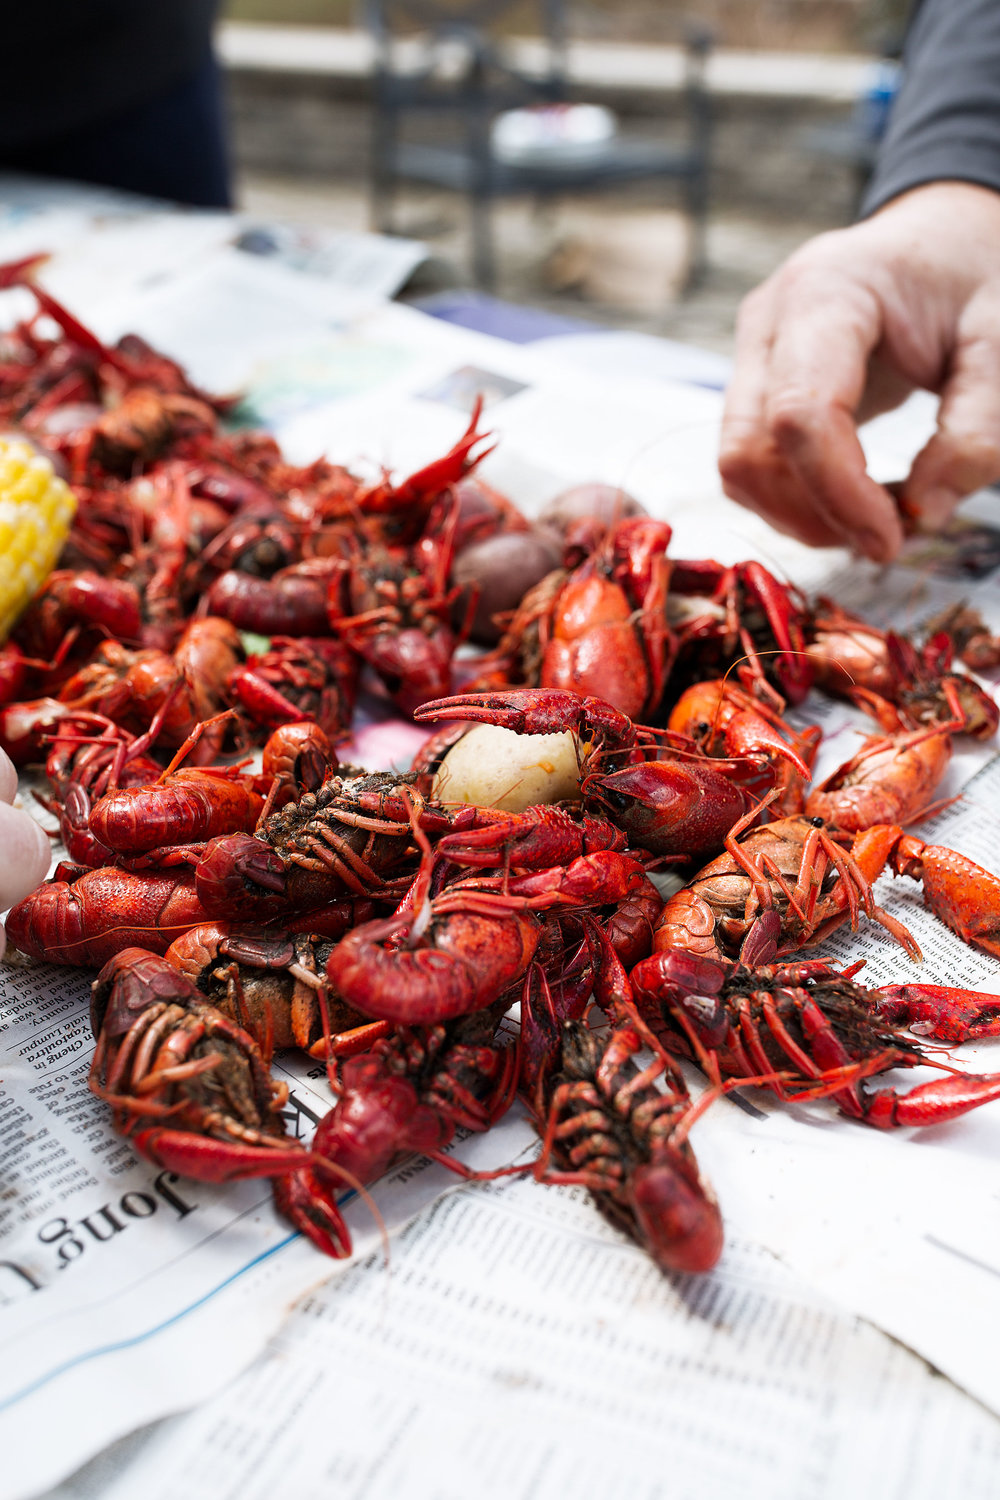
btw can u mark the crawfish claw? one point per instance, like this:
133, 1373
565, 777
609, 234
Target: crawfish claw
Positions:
931, 1103
750, 734
958, 891
311, 1207
536, 711
943, 1011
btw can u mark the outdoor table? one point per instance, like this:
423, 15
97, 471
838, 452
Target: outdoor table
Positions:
175, 1338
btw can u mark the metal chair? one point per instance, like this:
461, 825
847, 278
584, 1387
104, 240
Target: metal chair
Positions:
433, 59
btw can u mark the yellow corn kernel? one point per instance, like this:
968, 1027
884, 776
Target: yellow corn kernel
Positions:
36, 511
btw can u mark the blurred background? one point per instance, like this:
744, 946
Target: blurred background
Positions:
721, 134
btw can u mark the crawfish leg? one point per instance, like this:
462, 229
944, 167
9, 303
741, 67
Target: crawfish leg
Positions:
930, 1103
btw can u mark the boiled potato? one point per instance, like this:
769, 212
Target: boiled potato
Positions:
495, 767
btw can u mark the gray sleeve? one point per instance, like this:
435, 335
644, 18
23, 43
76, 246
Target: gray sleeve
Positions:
945, 122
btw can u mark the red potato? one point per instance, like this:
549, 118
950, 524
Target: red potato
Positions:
504, 566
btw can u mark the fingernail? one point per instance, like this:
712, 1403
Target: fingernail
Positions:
870, 544
934, 507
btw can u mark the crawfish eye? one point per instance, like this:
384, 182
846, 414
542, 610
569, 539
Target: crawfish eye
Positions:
816, 822
617, 800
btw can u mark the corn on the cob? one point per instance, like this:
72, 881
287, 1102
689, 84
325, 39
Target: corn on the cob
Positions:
36, 508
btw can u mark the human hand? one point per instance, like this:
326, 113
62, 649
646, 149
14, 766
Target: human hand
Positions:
847, 328
25, 846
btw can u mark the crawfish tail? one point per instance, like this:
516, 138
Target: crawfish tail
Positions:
193, 805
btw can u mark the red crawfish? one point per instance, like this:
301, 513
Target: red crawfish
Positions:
298, 679
535, 839
959, 892
446, 955
341, 840
451, 955
890, 779
598, 627
149, 808
587, 873
299, 753
291, 603
393, 608
408, 1096
903, 685
192, 1093
608, 881
607, 1126
91, 918
608, 631
158, 567
816, 1030
971, 638
724, 719
546, 839
778, 888
186, 686
847, 652
84, 601
668, 796
741, 616
80, 766
401, 510
182, 806
269, 982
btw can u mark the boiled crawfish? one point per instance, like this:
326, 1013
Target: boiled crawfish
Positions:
901, 684
297, 679
822, 1032
778, 888
598, 627
740, 616
658, 786
604, 1123
192, 1092
407, 1096
93, 916
269, 982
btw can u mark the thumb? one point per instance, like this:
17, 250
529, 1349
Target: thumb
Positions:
964, 453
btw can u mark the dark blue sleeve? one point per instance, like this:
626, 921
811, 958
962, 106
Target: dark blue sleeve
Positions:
945, 122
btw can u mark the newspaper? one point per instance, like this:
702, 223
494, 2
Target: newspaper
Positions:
116, 1277
104, 246
514, 1344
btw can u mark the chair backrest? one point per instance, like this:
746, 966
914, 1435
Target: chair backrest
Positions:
434, 54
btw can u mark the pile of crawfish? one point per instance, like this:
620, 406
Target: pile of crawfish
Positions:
212, 598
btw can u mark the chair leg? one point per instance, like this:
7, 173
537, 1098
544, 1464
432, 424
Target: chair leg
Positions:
483, 250
383, 178
696, 196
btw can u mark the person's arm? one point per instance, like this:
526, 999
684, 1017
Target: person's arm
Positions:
945, 124
858, 318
